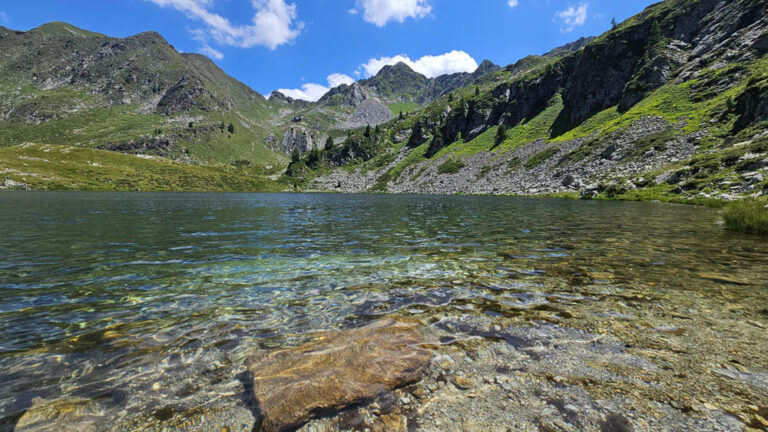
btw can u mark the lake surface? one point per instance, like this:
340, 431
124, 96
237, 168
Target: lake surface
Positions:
145, 301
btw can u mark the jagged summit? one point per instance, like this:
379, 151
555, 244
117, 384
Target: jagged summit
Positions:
486, 67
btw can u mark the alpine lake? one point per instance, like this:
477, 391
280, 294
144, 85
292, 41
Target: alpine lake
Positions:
138, 311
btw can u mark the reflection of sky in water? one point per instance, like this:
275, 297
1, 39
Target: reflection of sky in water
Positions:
104, 291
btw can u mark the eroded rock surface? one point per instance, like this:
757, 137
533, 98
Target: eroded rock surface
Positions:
70, 414
336, 370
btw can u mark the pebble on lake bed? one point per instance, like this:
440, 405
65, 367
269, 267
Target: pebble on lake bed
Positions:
336, 370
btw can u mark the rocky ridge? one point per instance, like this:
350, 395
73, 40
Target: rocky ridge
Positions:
616, 115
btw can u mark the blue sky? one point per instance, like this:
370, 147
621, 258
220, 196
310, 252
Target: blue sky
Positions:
306, 46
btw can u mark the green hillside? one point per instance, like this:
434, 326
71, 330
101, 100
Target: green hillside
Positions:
56, 167
631, 114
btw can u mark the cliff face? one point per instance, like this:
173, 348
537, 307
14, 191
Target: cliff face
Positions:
672, 41
671, 102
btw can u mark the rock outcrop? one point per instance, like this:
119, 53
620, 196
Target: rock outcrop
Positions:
297, 139
292, 386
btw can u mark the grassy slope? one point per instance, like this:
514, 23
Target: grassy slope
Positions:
403, 107
54, 167
84, 117
688, 104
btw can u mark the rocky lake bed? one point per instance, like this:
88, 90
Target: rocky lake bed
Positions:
647, 317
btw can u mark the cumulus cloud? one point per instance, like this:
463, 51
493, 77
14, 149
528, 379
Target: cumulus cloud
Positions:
429, 66
313, 91
210, 52
337, 79
380, 12
513, 3
273, 23
573, 17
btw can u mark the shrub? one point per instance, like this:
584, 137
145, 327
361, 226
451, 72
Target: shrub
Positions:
746, 216
540, 157
501, 136
297, 169
451, 166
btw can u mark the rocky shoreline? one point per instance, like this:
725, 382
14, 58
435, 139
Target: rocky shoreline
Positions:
589, 358
610, 165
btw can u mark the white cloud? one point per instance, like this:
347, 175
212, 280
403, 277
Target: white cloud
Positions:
429, 66
337, 79
3, 17
210, 52
272, 25
513, 3
573, 17
312, 91
380, 12
309, 92
352, 11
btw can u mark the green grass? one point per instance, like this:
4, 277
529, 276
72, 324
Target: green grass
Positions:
450, 166
55, 167
403, 107
540, 157
415, 156
746, 216
89, 128
100, 126
481, 143
535, 128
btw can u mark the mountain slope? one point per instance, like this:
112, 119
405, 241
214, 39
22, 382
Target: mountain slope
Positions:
65, 85
631, 113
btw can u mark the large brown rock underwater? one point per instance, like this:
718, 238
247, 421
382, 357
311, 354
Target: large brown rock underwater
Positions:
336, 370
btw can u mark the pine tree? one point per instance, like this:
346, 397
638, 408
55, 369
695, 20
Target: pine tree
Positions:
329, 143
191, 125
401, 115
231, 128
367, 132
378, 131
477, 91
450, 97
613, 23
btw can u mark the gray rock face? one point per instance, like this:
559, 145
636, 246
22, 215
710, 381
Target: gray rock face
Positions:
297, 138
507, 173
11, 184
369, 112
345, 95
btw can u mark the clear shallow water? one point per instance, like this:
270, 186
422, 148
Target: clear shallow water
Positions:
137, 299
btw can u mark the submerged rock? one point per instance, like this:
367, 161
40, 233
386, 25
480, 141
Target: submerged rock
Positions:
69, 414
722, 278
336, 370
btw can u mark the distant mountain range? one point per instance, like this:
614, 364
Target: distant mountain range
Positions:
630, 113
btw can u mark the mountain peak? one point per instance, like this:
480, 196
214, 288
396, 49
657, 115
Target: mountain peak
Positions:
400, 68
486, 67
59, 28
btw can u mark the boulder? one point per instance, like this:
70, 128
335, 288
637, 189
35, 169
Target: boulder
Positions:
336, 370
60, 415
